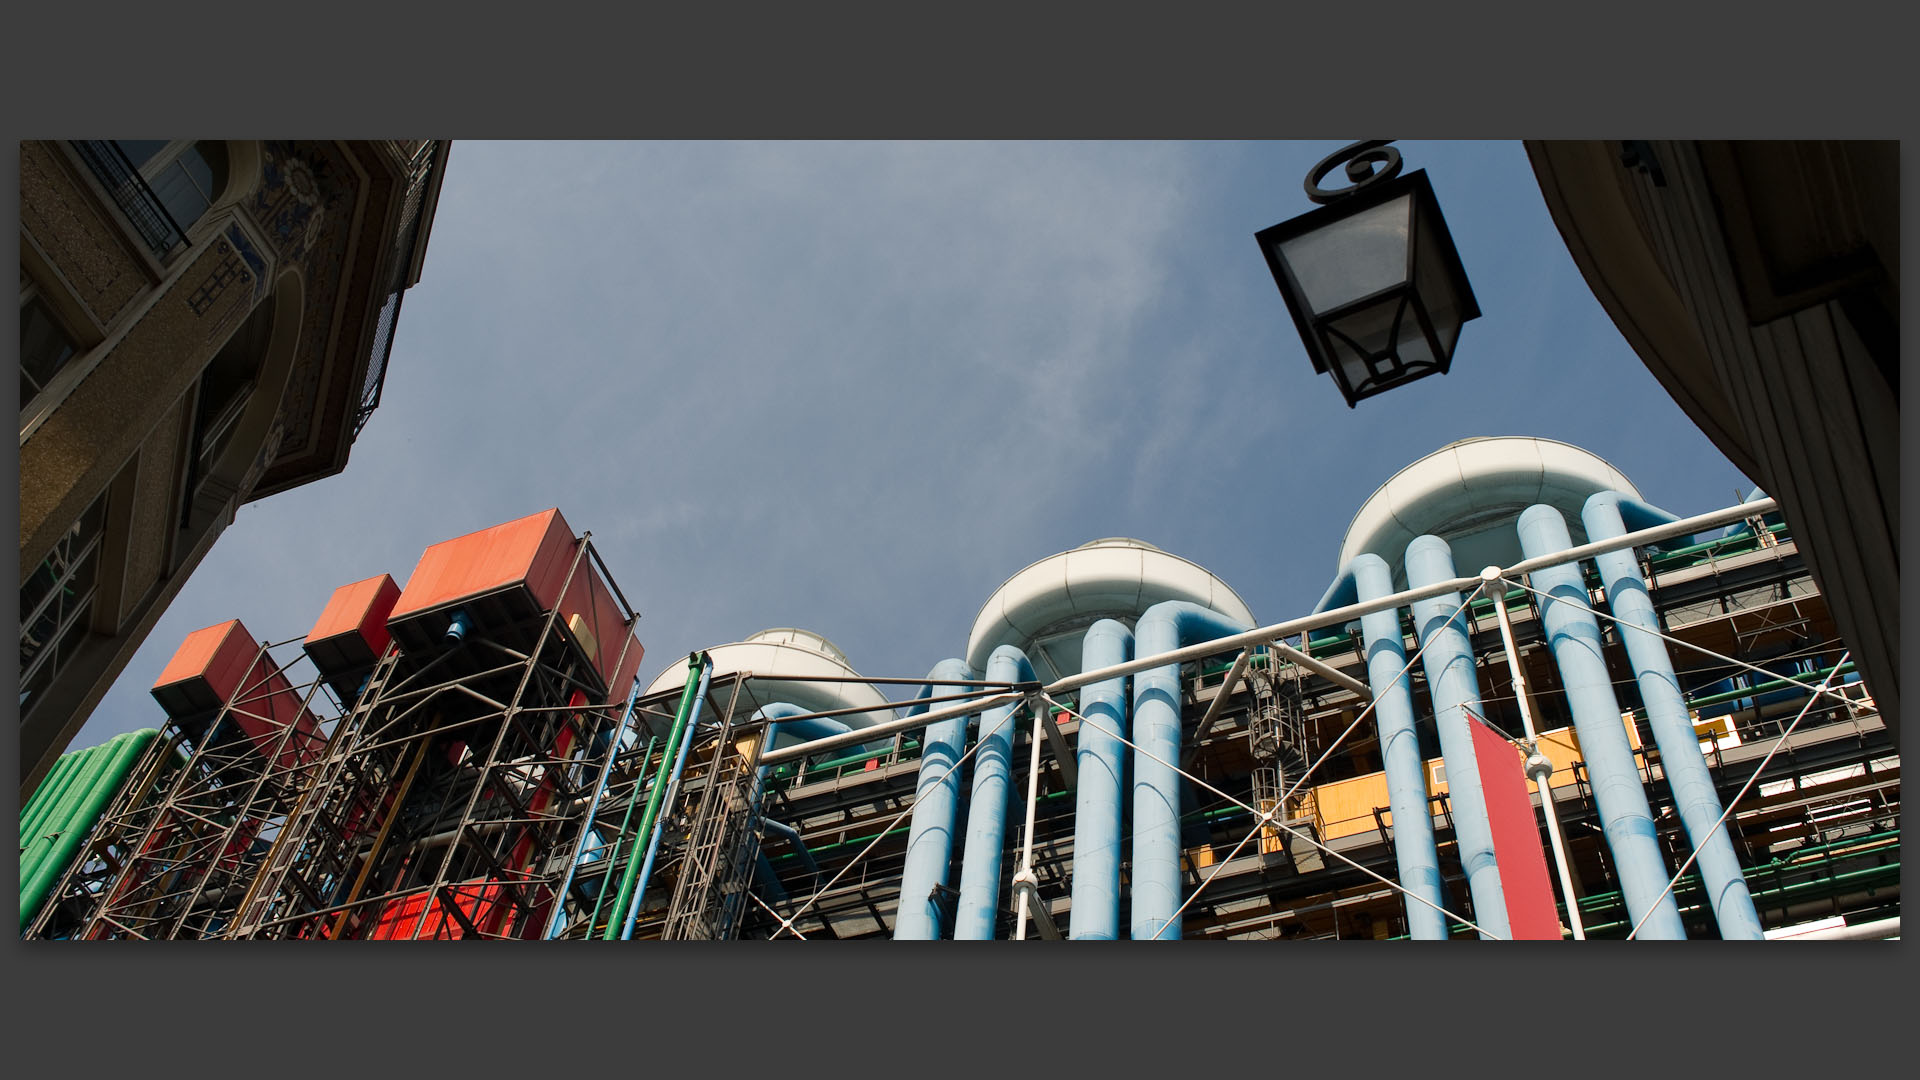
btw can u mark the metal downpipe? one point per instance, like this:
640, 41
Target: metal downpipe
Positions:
650, 823
1448, 662
977, 913
935, 807
1694, 797
1098, 810
1413, 844
1165, 626
593, 807
1574, 636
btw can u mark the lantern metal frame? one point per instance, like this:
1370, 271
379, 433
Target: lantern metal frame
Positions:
1368, 193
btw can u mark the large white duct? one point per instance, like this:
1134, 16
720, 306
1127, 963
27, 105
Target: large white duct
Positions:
1045, 609
1470, 492
788, 651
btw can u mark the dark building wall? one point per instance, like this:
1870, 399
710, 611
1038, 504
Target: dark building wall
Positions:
225, 362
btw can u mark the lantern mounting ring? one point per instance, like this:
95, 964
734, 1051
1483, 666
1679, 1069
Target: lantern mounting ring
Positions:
1361, 159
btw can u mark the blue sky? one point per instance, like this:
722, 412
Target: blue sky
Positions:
855, 386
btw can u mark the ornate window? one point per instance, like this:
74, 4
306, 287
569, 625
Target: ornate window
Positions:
163, 186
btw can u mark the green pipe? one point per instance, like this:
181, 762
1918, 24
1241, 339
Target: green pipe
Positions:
633, 798
1785, 893
1726, 545
1611, 898
78, 823
34, 850
34, 816
58, 815
1763, 688
49, 792
1760, 898
697, 664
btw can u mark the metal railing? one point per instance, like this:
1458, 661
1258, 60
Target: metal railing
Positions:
408, 236
129, 190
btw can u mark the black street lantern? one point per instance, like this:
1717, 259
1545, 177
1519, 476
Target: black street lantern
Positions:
1372, 277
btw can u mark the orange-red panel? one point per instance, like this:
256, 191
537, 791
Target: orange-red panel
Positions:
265, 705
534, 550
589, 598
352, 630
216, 666
205, 670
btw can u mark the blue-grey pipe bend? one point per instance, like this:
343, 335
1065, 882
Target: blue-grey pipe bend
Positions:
769, 881
1168, 625
1102, 763
1573, 634
1413, 844
1606, 515
935, 807
818, 727
815, 727
978, 909
1448, 662
792, 836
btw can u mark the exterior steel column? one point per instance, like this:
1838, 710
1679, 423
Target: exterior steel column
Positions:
1680, 759
1448, 661
1574, 635
1164, 627
1103, 771
1413, 844
979, 908
935, 806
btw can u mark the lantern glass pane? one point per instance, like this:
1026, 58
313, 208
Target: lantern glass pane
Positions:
1436, 287
1368, 332
1351, 258
1414, 351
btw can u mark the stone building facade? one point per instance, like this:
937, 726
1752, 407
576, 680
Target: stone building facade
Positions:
203, 323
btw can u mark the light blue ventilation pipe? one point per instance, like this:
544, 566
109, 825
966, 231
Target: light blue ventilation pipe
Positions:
1168, 625
978, 911
1448, 661
593, 807
1102, 761
1574, 635
1607, 515
935, 807
1368, 577
673, 785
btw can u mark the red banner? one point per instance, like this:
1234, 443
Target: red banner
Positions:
1531, 913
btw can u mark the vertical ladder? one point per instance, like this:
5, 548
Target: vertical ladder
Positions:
722, 846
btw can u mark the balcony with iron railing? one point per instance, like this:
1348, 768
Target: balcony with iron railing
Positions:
420, 170
129, 190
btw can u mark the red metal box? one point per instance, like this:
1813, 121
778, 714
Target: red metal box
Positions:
222, 665
351, 633
512, 573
